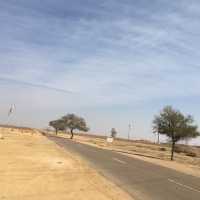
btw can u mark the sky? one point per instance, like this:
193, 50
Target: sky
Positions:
114, 62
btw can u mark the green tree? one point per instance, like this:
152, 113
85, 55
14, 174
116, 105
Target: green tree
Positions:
175, 126
58, 125
74, 122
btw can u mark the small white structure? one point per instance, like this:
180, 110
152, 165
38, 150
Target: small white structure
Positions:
109, 139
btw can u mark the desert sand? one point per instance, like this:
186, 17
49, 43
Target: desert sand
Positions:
32, 167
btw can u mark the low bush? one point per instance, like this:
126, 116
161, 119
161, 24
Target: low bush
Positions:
192, 154
187, 150
179, 149
163, 149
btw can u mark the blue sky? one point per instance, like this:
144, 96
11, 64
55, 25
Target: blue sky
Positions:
111, 61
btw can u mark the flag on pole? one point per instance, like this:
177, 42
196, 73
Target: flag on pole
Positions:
11, 110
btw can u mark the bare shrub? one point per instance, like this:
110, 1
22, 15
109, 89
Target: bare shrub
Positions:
187, 150
163, 149
179, 149
192, 154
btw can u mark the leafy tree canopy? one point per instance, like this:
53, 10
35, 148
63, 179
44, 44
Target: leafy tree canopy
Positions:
58, 125
74, 122
175, 125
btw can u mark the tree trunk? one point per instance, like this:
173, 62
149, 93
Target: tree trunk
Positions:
56, 131
172, 150
72, 134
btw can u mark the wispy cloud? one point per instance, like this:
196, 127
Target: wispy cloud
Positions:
113, 54
34, 85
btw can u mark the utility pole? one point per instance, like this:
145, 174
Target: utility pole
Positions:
158, 138
129, 130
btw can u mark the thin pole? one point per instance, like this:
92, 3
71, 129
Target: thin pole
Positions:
158, 138
129, 131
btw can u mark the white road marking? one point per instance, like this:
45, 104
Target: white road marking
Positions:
185, 186
120, 161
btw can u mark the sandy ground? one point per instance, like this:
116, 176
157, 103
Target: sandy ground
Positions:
32, 167
147, 152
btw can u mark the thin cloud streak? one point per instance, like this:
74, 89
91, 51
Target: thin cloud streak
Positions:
27, 84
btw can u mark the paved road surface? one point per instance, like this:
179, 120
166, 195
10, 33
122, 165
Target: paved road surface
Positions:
140, 179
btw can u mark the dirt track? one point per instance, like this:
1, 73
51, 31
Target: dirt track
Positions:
32, 167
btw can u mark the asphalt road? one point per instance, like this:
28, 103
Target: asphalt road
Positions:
142, 180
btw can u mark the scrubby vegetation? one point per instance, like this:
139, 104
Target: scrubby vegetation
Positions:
71, 122
175, 126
